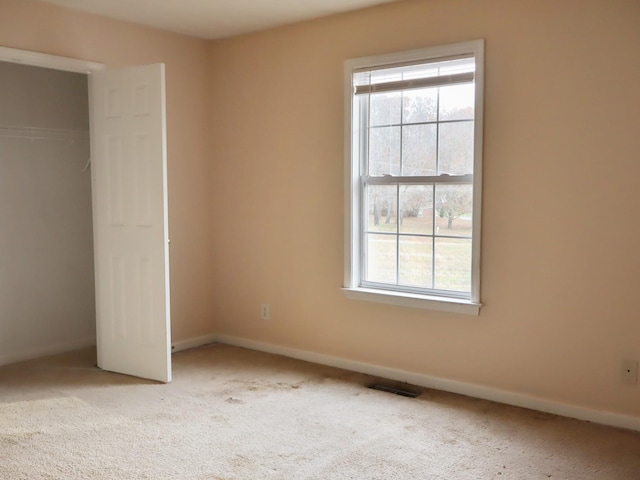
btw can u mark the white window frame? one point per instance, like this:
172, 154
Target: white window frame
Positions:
353, 288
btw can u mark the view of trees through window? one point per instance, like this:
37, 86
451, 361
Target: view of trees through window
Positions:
420, 234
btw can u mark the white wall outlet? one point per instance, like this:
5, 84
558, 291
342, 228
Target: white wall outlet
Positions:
629, 371
264, 311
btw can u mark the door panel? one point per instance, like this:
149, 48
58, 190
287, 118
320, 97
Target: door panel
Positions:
128, 167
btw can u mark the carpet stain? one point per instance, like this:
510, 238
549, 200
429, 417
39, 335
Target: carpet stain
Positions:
17, 438
220, 419
8, 441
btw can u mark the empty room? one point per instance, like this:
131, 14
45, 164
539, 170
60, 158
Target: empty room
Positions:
339, 239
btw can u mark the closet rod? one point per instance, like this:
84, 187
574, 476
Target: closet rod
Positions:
37, 133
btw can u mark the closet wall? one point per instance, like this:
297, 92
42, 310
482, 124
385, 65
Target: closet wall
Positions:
46, 248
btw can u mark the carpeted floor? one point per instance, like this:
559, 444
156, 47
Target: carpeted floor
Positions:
235, 414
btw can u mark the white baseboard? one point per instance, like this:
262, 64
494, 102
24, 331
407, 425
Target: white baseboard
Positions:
427, 381
44, 351
192, 343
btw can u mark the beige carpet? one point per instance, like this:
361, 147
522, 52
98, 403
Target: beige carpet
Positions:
236, 414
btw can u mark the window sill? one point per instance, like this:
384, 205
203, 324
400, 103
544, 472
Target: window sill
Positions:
401, 299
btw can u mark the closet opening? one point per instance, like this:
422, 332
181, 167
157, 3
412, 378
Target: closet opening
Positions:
47, 290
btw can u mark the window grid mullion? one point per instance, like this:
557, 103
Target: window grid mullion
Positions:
365, 108
401, 136
438, 132
398, 234
435, 228
433, 239
398, 193
462, 120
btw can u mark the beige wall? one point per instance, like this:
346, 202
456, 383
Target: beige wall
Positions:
560, 256
30, 25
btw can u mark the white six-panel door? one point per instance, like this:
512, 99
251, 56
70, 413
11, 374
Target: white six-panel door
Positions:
128, 170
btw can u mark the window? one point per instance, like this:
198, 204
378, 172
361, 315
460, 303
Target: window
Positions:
413, 177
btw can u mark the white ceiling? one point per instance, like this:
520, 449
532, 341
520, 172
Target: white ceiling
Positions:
213, 19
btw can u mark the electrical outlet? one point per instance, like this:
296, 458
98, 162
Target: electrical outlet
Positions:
264, 311
629, 371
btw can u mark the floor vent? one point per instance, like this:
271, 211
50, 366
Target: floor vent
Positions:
396, 391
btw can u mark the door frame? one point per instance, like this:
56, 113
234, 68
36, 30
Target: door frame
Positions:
45, 60
55, 62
